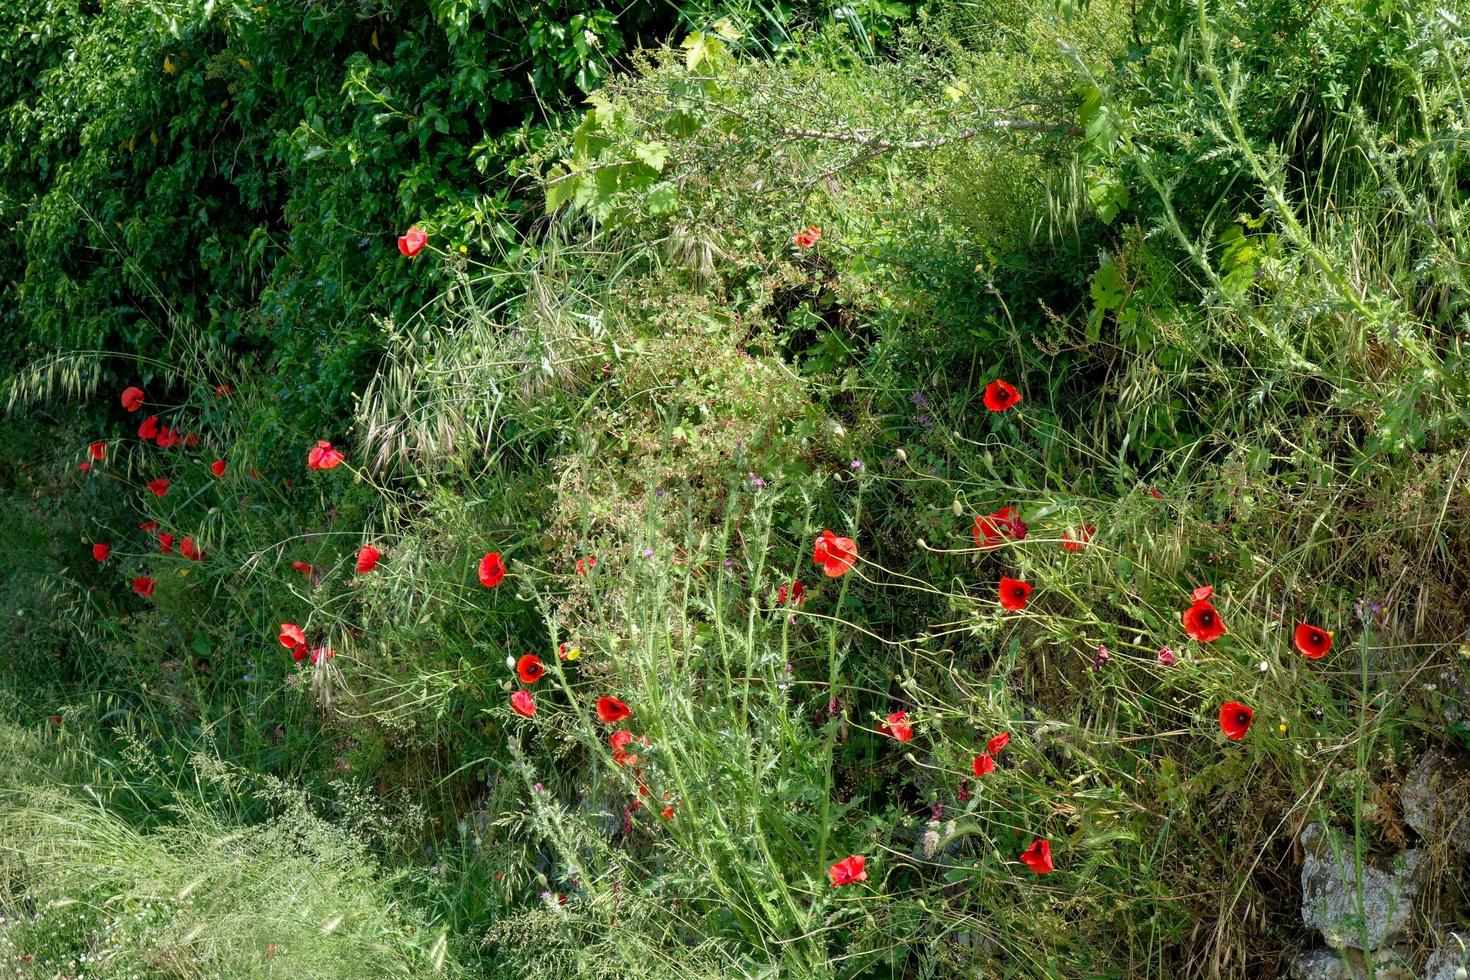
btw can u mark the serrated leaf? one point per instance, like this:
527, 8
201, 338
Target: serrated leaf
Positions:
653, 154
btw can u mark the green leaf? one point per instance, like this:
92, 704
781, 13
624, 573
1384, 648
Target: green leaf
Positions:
560, 190
662, 199
653, 154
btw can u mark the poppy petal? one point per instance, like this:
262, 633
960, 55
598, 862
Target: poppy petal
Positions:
610, 710
492, 570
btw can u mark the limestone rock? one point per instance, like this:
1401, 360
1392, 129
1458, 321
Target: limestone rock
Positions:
1435, 800
1330, 892
1349, 964
1451, 961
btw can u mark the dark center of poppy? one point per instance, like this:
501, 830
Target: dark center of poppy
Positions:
1242, 719
1315, 639
1207, 617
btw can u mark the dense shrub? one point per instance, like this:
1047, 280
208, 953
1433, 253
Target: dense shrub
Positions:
756, 288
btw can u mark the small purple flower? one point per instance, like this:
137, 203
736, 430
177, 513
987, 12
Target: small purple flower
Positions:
832, 708
756, 481
857, 464
538, 787
936, 811
1101, 659
924, 420
918, 399
1166, 657
660, 492
729, 562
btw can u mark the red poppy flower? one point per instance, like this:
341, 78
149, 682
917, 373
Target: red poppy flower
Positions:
159, 487
1154, 493
292, 636
1037, 857
848, 870
165, 543
305, 568
585, 565
299, 652
1235, 720
55, 719
101, 551
98, 451
191, 439
611, 710
412, 242
1077, 539
530, 668
835, 555
167, 438
1203, 592
222, 391
1312, 641
143, 585
1001, 395
189, 550
149, 429
984, 764
620, 742
796, 593
523, 704
217, 467
993, 529
85, 467
323, 457
807, 238
999, 742
367, 559
148, 526
492, 570
319, 654
1202, 622
667, 813
132, 399
1014, 594
898, 726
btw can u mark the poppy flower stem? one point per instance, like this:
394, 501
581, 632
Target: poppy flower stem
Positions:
1364, 753
833, 724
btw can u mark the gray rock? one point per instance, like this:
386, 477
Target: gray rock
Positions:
1320, 964
1349, 964
1451, 961
1435, 800
1331, 885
